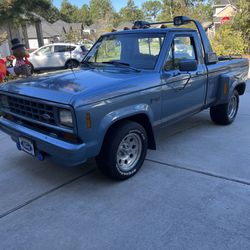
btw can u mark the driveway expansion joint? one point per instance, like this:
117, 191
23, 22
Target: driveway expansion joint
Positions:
202, 172
45, 193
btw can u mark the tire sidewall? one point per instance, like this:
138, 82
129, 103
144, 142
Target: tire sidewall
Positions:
107, 160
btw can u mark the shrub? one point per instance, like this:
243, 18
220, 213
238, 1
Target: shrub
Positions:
228, 41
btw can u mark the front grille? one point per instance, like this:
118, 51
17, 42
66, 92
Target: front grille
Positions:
31, 109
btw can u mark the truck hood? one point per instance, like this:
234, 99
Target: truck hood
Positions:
91, 84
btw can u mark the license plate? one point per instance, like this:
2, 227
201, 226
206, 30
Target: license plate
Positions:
26, 145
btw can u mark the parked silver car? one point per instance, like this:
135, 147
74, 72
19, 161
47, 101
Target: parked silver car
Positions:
57, 55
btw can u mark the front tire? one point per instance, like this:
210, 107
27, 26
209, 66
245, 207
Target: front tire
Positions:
225, 114
123, 151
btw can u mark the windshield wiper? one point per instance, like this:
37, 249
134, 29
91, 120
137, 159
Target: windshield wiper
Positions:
122, 64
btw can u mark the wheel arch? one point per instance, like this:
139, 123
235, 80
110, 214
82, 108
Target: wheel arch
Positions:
227, 84
241, 87
140, 118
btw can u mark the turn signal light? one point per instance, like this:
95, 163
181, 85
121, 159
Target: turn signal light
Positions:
69, 137
88, 121
225, 88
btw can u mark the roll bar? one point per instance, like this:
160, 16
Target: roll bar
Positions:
210, 56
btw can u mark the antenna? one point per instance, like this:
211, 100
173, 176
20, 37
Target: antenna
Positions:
70, 53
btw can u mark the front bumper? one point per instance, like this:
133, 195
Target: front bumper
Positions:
65, 153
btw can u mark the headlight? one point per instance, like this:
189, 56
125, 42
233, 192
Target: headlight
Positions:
65, 117
4, 101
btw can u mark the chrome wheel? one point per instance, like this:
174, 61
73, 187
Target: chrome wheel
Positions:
129, 152
232, 107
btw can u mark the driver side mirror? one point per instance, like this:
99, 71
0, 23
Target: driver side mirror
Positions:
188, 65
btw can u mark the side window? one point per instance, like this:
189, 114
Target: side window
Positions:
59, 48
44, 51
70, 48
182, 47
63, 48
150, 46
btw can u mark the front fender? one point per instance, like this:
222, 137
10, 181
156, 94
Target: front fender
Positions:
120, 114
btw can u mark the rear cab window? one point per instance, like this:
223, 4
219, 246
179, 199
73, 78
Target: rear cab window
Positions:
150, 46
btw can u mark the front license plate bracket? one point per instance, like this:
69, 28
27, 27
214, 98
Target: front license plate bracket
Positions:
27, 146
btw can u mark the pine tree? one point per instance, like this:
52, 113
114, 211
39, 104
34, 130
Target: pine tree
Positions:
131, 12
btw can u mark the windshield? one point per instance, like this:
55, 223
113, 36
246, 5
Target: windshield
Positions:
139, 51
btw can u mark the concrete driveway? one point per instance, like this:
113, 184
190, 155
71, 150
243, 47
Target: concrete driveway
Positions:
192, 193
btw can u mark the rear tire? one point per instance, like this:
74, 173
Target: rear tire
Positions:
123, 151
225, 114
71, 64
32, 69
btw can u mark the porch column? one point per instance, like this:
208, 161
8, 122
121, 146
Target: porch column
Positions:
39, 33
25, 36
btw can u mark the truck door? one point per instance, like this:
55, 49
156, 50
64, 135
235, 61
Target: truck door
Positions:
183, 92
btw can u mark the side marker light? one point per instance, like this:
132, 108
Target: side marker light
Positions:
88, 120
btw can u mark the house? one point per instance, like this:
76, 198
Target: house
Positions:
223, 10
50, 34
40, 33
57, 31
20, 33
54, 32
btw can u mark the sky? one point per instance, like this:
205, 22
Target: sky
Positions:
118, 4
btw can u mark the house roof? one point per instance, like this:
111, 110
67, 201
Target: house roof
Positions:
223, 2
61, 26
54, 29
47, 28
231, 13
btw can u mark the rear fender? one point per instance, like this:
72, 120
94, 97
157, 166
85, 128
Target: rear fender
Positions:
226, 86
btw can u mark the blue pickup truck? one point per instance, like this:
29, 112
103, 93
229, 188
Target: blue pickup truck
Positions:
130, 83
